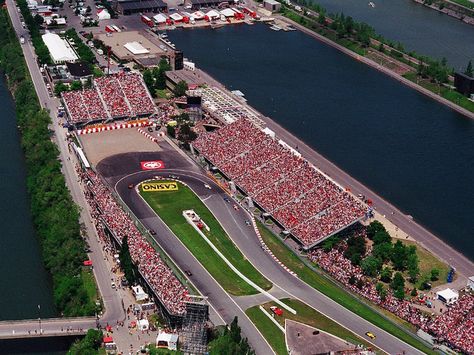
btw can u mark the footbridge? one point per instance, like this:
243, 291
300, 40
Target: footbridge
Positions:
30, 328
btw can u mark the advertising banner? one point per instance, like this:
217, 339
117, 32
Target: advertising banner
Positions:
152, 165
159, 186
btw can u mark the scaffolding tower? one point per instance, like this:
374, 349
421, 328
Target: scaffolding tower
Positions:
194, 332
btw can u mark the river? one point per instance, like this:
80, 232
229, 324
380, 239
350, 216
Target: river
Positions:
411, 150
418, 28
25, 282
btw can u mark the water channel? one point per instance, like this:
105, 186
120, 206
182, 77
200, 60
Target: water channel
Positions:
413, 151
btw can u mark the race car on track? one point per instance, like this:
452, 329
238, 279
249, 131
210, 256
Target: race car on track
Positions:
370, 335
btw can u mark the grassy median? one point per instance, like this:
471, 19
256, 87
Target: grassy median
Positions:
333, 291
169, 205
304, 314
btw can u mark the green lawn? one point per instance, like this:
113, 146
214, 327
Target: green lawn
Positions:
169, 205
333, 291
269, 330
304, 314
465, 3
89, 284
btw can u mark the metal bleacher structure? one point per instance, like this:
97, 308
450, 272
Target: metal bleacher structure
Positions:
194, 330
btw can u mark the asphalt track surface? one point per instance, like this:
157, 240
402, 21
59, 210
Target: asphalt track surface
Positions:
122, 170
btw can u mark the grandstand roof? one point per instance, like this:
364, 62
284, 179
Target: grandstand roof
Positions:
58, 48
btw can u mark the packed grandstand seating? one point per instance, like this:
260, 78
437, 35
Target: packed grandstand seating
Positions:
455, 326
167, 287
124, 95
136, 93
297, 195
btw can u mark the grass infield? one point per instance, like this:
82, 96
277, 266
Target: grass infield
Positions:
304, 314
333, 291
169, 205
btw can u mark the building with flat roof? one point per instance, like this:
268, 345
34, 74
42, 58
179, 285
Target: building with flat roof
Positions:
59, 49
271, 5
197, 4
140, 47
128, 7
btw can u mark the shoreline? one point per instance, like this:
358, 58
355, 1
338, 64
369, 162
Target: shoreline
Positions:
467, 19
379, 67
415, 231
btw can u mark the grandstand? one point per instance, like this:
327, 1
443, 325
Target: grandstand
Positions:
117, 96
112, 221
305, 202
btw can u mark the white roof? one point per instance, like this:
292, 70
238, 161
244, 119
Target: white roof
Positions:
103, 14
176, 17
143, 324
471, 278
271, 2
160, 18
169, 338
448, 294
213, 13
136, 48
58, 48
198, 15
228, 12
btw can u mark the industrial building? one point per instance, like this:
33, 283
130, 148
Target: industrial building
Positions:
197, 4
271, 5
128, 7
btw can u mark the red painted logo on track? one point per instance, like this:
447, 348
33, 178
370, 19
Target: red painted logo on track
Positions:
152, 165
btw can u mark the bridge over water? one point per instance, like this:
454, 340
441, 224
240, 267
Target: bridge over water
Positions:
30, 328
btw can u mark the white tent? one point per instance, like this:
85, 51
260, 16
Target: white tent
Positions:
176, 17
213, 14
198, 15
448, 296
103, 14
143, 324
58, 48
166, 340
228, 12
136, 48
470, 283
160, 18
139, 294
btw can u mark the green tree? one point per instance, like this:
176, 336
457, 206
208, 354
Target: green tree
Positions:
386, 274
373, 228
59, 88
39, 19
413, 267
181, 88
469, 70
382, 251
126, 263
381, 290
399, 293
414, 292
171, 131
371, 266
382, 237
89, 345
230, 342
398, 281
399, 255
434, 274
76, 85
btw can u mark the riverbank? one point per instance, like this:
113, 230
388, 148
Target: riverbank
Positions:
451, 8
55, 216
361, 56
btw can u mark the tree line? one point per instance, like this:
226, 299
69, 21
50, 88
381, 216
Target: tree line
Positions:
55, 216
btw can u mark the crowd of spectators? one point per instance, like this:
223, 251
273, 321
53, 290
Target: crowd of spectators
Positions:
121, 95
298, 196
455, 327
84, 106
137, 95
159, 276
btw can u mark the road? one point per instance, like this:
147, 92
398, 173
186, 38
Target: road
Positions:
246, 240
111, 299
